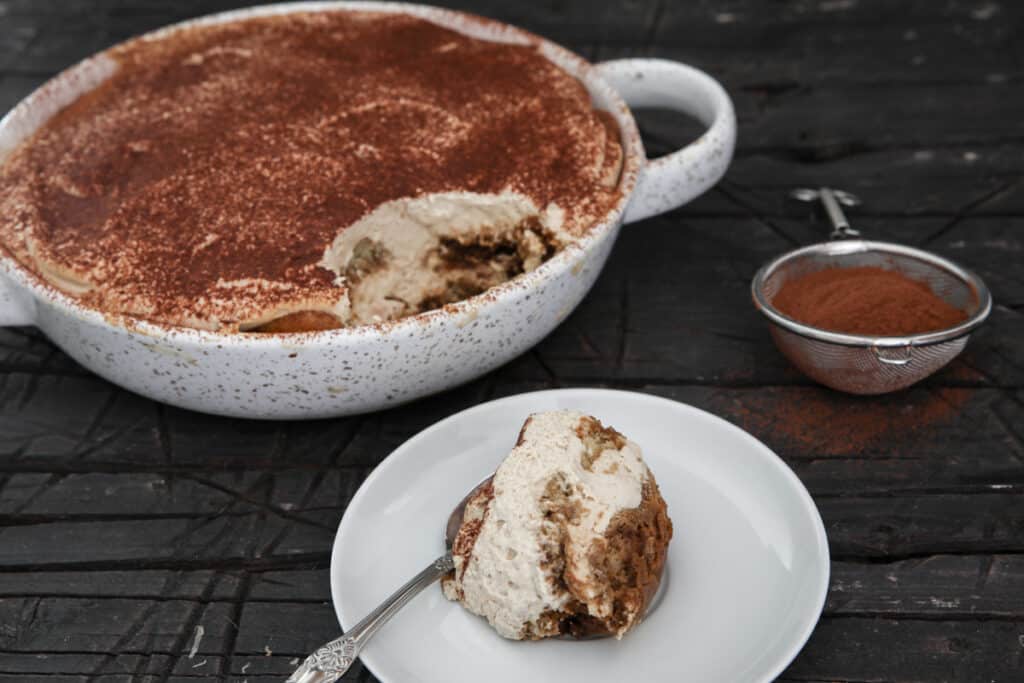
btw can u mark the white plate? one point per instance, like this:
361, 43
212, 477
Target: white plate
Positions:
747, 570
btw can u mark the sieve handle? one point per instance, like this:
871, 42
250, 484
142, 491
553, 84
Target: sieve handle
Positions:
840, 226
832, 199
674, 179
900, 359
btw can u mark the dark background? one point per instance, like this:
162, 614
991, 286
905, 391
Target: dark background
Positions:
125, 524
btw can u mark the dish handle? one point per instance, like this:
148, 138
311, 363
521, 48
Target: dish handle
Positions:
15, 308
674, 179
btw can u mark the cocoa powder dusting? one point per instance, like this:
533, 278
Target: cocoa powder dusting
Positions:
867, 301
203, 181
822, 422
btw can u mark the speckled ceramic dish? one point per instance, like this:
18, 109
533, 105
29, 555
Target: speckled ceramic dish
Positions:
355, 370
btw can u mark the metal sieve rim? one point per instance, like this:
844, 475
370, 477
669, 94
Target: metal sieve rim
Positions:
841, 247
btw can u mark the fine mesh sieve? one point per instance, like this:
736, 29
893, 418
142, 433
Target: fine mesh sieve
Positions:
862, 364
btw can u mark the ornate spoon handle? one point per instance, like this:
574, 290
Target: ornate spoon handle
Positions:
331, 661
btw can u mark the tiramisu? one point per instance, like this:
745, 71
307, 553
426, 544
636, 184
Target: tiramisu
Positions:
569, 538
307, 171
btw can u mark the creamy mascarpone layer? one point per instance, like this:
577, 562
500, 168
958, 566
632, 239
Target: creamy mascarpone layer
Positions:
392, 260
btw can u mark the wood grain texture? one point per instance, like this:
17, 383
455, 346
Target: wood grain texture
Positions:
125, 525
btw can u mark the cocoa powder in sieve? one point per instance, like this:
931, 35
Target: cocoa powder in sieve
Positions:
866, 300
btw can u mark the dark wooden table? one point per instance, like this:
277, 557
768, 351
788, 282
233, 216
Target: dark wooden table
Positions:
125, 525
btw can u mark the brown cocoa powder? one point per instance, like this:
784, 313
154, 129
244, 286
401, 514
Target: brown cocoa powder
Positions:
865, 300
210, 172
825, 423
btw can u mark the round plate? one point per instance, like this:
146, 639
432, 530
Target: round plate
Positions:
746, 578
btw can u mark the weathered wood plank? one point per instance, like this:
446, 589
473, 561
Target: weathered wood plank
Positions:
285, 629
811, 423
990, 246
943, 646
138, 584
924, 525
108, 428
866, 43
60, 678
111, 626
875, 117
118, 543
112, 494
892, 182
643, 320
892, 525
811, 27
49, 663
1010, 201
308, 585
27, 425
17, 34
940, 587
910, 651
149, 668
803, 423
296, 510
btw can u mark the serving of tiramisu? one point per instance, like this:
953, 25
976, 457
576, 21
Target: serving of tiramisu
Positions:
569, 538
308, 171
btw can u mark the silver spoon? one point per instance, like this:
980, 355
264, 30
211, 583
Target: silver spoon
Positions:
331, 661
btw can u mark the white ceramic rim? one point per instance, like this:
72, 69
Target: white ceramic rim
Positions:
587, 72
841, 247
799, 490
